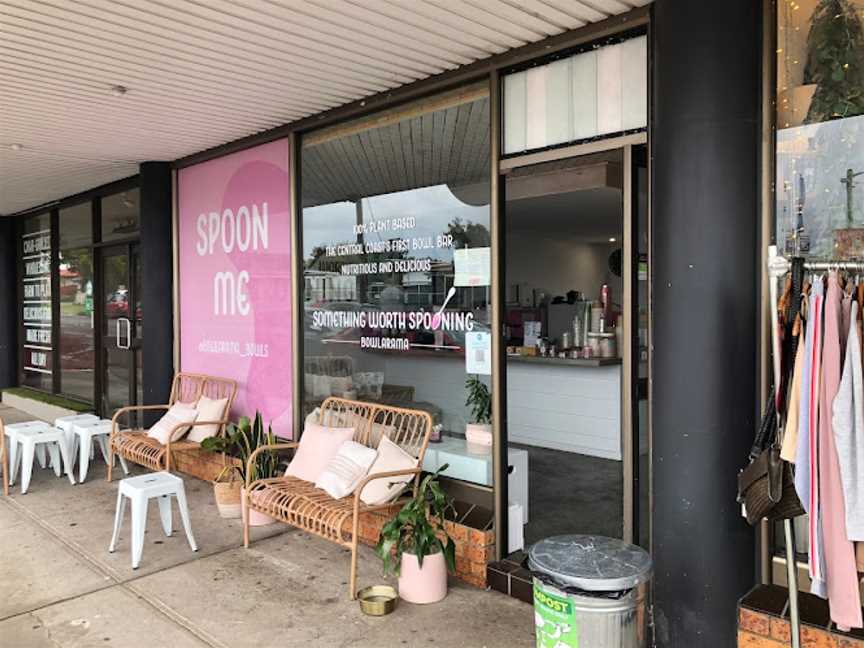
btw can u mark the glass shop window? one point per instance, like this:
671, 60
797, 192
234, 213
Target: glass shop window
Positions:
820, 128
396, 260
120, 214
35, 303
76, 333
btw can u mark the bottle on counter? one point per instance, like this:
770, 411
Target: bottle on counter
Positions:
604, 300
596, 316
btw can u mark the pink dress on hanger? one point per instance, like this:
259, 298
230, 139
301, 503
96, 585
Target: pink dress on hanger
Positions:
841, 576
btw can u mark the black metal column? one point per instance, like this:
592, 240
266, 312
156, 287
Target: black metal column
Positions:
157, 281
9, 307
705, 137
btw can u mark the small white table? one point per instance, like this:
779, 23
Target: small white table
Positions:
140, 490
83, 433
12, 430
51, 438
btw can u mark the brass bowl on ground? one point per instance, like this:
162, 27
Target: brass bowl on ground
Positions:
377, 600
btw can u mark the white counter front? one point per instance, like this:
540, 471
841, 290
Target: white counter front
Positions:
565, 407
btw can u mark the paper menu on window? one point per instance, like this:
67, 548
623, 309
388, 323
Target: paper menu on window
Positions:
478, 352
532, 332
472, 266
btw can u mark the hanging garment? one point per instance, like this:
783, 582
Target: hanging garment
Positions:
839, 575
859, 298
849, 432
810, 462
790, 429
845, 315
809, 394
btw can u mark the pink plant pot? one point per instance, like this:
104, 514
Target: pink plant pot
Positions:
426, 585
255, 518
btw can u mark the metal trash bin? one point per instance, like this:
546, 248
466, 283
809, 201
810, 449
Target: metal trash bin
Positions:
590, 592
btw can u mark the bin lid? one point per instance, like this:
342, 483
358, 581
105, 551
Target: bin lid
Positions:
592, 563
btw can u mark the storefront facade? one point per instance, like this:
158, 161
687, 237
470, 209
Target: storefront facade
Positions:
389, 251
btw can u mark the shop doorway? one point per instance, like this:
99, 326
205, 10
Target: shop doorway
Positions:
575, 328
121, 328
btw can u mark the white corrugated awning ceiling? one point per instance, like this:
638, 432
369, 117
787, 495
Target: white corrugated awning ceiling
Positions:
200, 73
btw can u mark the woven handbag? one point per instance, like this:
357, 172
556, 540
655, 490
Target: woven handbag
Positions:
766, 485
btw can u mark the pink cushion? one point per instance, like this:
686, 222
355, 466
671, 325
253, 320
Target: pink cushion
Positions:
318, 446
165, 427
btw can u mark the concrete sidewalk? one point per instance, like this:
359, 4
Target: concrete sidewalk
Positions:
61, 587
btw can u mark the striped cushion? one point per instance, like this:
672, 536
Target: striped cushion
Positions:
346, 469
165, 427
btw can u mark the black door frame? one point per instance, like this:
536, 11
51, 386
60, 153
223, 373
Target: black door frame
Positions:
131, 248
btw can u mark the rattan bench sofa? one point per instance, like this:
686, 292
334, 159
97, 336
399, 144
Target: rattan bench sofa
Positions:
134, 445
298, 503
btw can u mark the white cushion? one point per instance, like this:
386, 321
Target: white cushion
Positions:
209, 409
318, 445
179, 413
390, 457
345, 470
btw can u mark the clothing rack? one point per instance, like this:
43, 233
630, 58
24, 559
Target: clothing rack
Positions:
779, 266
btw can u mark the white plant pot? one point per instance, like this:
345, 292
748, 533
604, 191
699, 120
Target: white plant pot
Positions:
423, 585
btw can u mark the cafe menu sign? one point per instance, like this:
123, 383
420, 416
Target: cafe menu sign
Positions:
235, 278
36, 305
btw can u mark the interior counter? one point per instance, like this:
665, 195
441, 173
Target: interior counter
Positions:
570, 405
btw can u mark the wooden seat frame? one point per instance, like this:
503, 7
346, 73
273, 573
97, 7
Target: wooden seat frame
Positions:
298, 503
134, 445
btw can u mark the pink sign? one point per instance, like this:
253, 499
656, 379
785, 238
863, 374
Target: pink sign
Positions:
235, 278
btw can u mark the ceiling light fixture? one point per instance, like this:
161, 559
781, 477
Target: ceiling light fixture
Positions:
119, 90
612, 240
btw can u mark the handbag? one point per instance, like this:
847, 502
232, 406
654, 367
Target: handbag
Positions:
766, 485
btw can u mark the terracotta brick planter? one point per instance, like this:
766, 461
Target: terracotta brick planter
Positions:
199, 463
760, 624
474, 548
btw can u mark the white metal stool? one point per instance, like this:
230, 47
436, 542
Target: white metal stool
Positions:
52, 439
12, 430
66, 424
140, 490
82, 435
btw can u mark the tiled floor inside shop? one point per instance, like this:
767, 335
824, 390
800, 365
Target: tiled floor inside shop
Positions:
61, 588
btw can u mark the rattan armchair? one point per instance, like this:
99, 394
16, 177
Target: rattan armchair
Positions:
298, 503
134, 445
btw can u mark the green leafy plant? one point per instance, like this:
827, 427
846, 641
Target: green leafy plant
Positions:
418, 528
479, 400
835, 61
241, 440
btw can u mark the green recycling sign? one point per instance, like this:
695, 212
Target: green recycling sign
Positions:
554, 619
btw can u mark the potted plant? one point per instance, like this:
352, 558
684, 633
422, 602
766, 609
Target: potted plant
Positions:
478, 433
415, 546
227, 487
241, 440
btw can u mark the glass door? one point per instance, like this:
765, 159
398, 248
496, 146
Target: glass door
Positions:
576, 313
121, 329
